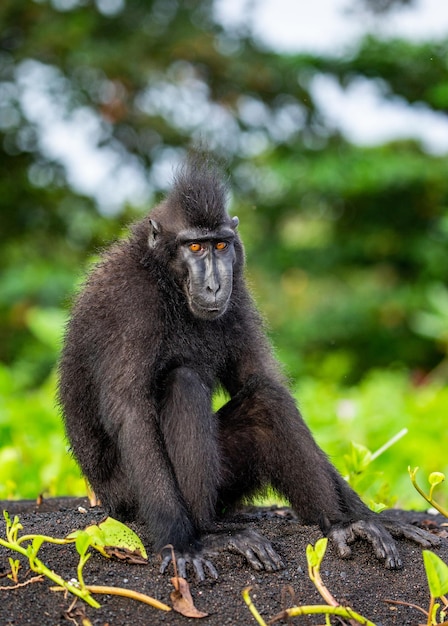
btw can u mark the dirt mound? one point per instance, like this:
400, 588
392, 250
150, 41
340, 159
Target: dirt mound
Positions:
362, 582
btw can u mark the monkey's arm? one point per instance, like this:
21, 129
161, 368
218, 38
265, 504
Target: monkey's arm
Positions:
297, 467
161, 503
343, 516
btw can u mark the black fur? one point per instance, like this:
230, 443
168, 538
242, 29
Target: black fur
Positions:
136, 378
201, 194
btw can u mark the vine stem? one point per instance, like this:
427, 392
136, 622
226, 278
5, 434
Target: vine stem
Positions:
45, 539
341, 611
252, 607
429, 498
128, 593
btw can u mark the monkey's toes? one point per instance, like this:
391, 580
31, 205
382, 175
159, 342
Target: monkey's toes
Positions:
383, 545
257, 550
197, 562
422, 537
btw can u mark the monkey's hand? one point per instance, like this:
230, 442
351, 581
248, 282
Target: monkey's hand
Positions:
380, 535
257, 550
195, 560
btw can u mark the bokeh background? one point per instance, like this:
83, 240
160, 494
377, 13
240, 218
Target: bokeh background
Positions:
331, 117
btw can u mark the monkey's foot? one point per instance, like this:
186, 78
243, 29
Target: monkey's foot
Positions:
194, 560
379, 535
257, 550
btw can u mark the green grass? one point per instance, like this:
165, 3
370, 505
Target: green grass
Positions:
371, 413
34, 456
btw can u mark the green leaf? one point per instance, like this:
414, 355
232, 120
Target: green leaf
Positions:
83, 542
311, 556
377, 507
37, 542
315, 554
435, 478
358, 458
320, 548
94, 535
119, 535
111, 534
437, 574
33, 548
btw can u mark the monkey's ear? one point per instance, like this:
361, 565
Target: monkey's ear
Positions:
154, 231
235, 222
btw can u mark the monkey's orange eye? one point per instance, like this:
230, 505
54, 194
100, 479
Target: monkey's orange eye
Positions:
221, 245
195, 247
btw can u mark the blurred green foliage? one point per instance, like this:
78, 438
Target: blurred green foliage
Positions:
371, 413
346, 245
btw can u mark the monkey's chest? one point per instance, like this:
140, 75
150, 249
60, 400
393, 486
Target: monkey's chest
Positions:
203, 349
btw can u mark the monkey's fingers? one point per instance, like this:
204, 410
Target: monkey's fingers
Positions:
257, 550
382, 542
182, 567
198, 565
166, 560
341, 537
269, 557
420, 536
181, 562
252, 559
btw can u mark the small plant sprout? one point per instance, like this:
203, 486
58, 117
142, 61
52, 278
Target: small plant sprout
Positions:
361, 457
434, 479
82, 544
14, 564
314, 556
29, 546
110, 538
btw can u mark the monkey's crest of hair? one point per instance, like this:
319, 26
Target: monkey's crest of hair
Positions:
200, 189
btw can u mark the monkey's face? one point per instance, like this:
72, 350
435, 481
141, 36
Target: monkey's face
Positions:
209, 273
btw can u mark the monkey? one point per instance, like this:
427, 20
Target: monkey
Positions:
163, 321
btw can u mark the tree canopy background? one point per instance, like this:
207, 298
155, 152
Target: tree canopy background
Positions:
346, 245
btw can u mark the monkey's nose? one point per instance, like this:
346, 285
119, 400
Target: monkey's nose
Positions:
212, 285
214, 288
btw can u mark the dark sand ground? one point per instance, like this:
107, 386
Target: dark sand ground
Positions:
362, 582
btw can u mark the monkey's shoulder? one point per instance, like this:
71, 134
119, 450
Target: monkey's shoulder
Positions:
119, 275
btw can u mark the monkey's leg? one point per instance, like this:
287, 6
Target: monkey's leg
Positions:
284, 453
262, 428
190, 435
240, 476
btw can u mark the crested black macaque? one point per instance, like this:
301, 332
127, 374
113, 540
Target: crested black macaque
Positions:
163, 321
